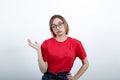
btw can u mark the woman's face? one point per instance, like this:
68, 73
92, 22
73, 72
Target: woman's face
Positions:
58, 27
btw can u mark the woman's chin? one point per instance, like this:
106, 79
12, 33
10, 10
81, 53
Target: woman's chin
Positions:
59, 34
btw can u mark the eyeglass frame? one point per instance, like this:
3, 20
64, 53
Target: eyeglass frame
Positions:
57, 26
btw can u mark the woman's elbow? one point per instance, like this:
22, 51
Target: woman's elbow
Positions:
85, 63
43, 70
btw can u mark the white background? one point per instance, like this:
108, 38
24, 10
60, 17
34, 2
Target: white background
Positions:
95, 22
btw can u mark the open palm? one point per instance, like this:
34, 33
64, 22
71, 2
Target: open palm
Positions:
34, 45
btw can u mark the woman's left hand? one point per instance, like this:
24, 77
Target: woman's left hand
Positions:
70, 77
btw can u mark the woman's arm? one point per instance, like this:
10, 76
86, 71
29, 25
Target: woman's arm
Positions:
42, 65
83, 68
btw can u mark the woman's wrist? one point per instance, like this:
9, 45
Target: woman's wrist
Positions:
38, 50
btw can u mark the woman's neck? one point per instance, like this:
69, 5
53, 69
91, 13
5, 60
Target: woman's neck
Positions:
61, 38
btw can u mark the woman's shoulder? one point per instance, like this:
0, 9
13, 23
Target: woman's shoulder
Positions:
48, 40
74, 40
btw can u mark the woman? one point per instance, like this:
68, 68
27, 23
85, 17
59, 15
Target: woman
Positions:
57, 54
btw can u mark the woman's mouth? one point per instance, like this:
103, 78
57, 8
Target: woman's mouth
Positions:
59, 32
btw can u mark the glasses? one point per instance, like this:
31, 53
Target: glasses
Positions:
59, 25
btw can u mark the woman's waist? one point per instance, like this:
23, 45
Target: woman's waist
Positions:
59, 70
63, 73
58, 76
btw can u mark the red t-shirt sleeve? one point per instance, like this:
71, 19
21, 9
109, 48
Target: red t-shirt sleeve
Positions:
80, 50
44, 51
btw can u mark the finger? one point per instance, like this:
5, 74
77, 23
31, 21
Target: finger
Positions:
36, 43
69, 74
29, 41
69, 77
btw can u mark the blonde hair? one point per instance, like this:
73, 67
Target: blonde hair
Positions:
64, 21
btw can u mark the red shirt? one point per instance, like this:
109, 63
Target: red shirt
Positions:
61, 55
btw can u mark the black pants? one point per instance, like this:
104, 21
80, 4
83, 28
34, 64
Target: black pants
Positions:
51, 76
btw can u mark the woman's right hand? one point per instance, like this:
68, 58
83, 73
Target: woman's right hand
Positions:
34, 45
42, 64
